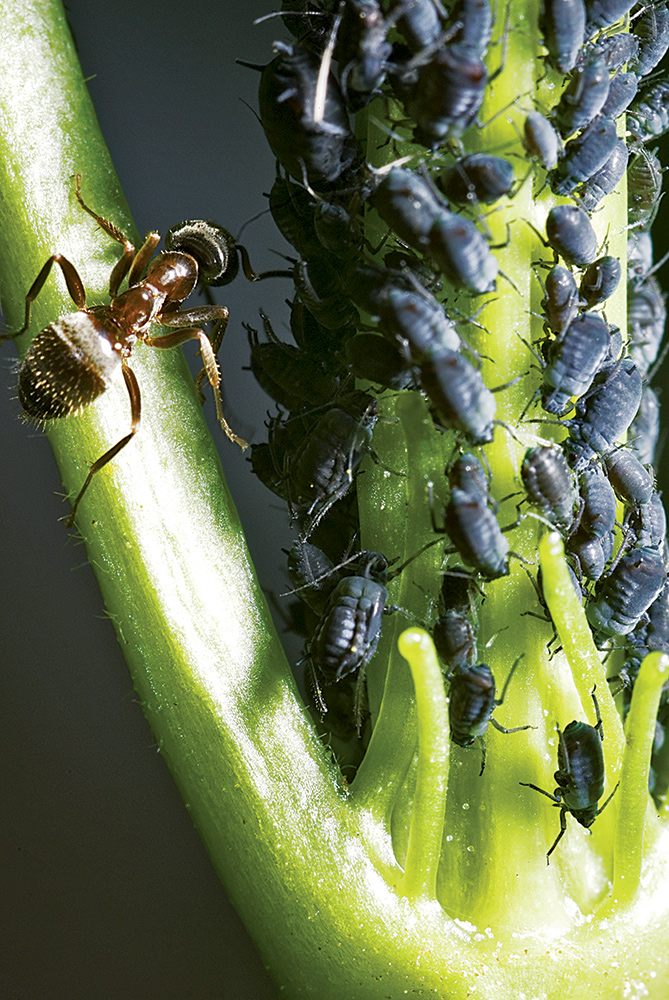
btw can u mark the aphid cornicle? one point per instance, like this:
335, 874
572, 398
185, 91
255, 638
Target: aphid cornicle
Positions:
580, 775
76, 358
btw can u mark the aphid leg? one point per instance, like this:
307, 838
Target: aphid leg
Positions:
74, 286
563, 827
483, 753
180, 337
135, 414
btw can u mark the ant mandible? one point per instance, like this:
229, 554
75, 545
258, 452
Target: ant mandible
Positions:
74, 359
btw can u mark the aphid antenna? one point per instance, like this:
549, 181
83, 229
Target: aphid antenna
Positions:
325, 67
260, 67
291, 13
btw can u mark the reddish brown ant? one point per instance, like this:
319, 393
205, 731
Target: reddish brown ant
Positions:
74, 359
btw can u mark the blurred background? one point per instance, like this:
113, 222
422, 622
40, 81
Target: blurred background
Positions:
106, 890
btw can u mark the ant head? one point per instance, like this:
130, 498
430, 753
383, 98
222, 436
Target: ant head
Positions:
212, 246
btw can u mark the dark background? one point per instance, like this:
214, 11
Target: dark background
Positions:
106, 890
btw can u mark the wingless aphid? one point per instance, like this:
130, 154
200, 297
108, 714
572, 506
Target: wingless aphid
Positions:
580, 775
471, 703
75, 359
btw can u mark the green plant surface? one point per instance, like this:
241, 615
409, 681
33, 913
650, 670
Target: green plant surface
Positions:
422, 878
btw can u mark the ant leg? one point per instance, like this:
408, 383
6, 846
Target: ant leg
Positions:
135, 413
122, 265
196, 316
180, 337
74, 286
132, 262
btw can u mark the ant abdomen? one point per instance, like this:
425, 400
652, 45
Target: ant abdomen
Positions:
212, 246
67, 367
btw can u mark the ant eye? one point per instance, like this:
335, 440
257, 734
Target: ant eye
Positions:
212, 246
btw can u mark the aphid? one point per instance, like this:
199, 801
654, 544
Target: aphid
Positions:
623, 90
584, 156
318, 283
584, 97
290, 376
632, 483
466, 473
648, 523
600, 281
462, 254
459, 396
562, 24
571, 235
270, 459
541, 140
604, 413
560, 303
573, 361
475, 20
646, 318
644, 430
649, 116
478, 178
592, 554
363, 51
598, 512
374, 358
652, 634
75, 359
408, 204
606, 179
447, 95
644, 184
617, 49
292, 209
473, 528
419, 22
348, 632
549, 483
580, 775
624, 595
337, 231
471, 703
651, 29
604, 13
454, 629
322, 469
321, 146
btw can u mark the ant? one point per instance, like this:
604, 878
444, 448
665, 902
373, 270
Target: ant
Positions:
74, 359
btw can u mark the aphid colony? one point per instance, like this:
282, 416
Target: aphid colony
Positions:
377, 313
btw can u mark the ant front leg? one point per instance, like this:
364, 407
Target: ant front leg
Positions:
74, 286
132, 262
180, 337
